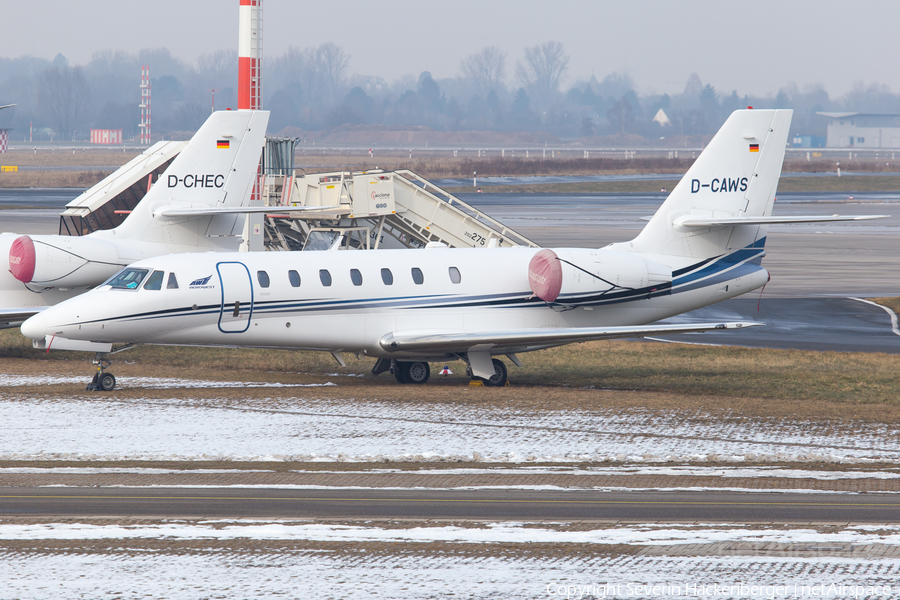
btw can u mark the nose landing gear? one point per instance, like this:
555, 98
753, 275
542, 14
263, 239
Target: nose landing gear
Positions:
102, 381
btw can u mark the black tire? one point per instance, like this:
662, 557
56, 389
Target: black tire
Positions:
499, 378
106, 382
400, 372
416, 372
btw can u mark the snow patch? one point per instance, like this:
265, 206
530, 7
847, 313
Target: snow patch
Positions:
326, 430
155, 383
492, 533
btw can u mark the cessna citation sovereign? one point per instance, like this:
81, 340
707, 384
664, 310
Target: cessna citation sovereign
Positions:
214, 172
407, 308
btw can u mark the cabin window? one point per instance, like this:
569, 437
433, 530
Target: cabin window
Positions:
172, 283
294, 278
129, 279
455, 277
154, 282
263, 278
325, 277
355, 276
387, 277
417, 276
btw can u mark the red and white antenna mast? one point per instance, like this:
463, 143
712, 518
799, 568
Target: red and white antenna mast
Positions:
250, 54
145, 105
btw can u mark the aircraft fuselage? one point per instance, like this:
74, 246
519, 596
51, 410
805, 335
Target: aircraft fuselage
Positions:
348, 301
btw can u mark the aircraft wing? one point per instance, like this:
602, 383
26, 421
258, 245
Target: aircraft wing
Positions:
317, 211
444, 342
13, 317
692, 221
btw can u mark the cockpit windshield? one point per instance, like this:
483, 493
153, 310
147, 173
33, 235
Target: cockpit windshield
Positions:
129, 279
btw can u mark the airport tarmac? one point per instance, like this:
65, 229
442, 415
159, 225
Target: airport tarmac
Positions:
796, 323
39, 212
33, 197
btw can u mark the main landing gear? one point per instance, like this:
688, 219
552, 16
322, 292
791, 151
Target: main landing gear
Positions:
498, 379
411, 372
419, 373
102, 381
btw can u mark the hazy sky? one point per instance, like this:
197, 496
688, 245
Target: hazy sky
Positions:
754, 47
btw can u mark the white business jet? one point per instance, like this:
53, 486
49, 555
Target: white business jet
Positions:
214, 172
407, 308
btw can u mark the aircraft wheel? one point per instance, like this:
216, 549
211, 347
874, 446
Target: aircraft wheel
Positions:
400, 372
106, 382
416, 372
499, 378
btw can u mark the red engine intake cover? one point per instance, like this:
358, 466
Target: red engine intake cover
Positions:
22, 259
545, 275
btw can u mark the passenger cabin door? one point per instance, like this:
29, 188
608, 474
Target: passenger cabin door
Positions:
237, 297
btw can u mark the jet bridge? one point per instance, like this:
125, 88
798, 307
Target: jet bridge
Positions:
375, 209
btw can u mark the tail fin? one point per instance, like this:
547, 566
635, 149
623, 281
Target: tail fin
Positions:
216, 169
735, 177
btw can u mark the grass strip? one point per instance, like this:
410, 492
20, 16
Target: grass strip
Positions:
891, 303
51, 179
684, 370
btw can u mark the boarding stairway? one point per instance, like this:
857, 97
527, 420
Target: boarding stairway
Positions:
108, 203
375, 209
358, 210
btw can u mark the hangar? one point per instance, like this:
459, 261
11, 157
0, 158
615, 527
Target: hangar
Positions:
862, 130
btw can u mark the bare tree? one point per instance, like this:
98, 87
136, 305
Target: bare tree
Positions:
542, 70
63, 95
621, 115
694, 86
218, 68
295, 66
331, 64
321, 72
485, 70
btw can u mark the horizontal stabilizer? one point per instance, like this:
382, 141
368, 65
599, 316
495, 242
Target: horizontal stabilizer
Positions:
174, 213
442, 342
692, 221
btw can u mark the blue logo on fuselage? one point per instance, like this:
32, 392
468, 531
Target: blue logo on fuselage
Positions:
202, 281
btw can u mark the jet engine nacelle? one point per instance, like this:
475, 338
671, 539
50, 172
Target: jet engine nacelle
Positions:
573, 275
62, 261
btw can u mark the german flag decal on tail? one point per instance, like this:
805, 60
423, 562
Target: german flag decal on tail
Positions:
753, 147
223, 144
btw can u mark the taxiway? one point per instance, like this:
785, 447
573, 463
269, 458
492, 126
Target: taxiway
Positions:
417, 504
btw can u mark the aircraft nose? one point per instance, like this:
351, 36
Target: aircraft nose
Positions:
35, 327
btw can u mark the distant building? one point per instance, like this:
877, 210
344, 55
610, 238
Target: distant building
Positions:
808, 141
862, 130
106, 136
4, 133
662, 118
